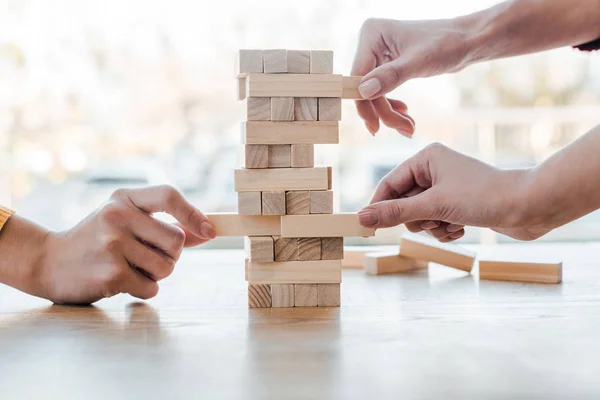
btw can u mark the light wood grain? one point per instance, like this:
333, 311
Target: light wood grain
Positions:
249, 203
273, 203
310, 132
252, 180
297, 202
429, 249
275, 61
260, 248
241, 88
259, 296
328, 295
350, 87
258, 109
280, 156
231, 224
306, 109
520, 271
294, 85
305, 295
282, 109
250, 60
286, 249
256, 156
321, 202
298, 61
321, 62
282, 296
323, 225
322, 271
330, 109
355, 259
303, 155
390, 263
309, 249
332, 248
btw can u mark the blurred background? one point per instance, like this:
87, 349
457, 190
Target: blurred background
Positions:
97, 95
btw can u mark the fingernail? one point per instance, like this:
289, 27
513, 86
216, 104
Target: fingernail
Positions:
456, 235
371, 130
404, 133
429, 225
453, 228
369, 88
208, 231
368, 217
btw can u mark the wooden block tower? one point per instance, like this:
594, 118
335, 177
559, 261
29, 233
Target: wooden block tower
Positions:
295, 242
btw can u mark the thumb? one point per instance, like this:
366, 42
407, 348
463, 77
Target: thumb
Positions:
388, 213
383, 79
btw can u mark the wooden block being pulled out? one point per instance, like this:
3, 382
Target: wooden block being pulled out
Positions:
293, 85
229, 224
297, 132
275, 179
520, 271
350, 87
259, 296
323, 225
287, 272
390, 263
422, 248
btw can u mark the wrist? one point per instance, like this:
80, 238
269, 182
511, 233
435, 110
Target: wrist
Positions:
514, 194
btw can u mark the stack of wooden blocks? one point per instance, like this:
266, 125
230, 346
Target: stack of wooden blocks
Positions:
293, 101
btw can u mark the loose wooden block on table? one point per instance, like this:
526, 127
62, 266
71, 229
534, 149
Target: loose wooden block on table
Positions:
303, 155
354, 259
230, 224
249, 203
332, 248
256, 156
286, 249
287, 272
323, 225
299, 132
321, 202
252, 180
280, 156
250, 60
321, 62
306, 109
306, 295
309, 249
282, 295
350, 87
520, 271
422, 248
298, 61
282, 109
259, 296
297, 202
330, 109
273, 203
275, 61
293, 85
260, 249
258, 109
390, 263
328, 295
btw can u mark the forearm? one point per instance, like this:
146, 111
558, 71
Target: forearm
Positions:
21, 246
518, 27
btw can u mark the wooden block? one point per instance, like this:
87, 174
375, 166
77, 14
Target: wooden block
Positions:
294, 85
229, 224
258, 108
355, 259
275, 61
249, 203
286, 249
306, 295
282, 295
321, 62
273, 203
259, 296
309, 249
426, 249
264, 180
321, 202
298, 61
350, 87
246, 261
280, 156
288, 272
303, 155
257, 156
309, 132
330, 109
250, 60
328, 295
520, 271
297, 202
332, 248
282, 109
260, 248
323, 225
306, 109
390, 263
241, 88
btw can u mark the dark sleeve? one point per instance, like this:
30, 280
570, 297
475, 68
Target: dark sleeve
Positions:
589, 46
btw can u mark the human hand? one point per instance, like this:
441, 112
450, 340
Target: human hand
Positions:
440, 191
121, 247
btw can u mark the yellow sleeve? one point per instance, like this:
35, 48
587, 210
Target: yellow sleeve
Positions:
5, 214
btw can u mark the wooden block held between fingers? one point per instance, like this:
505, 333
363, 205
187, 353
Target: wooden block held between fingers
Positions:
294, 85
520, 271
258, 108
350, 87
310, 132
249, 203
282, 295
230, 224
260, 248
286, 249
303, 155
250, 60
323, 225
390, 263
257, 156
309, 249
259, 296
282, 109
321, 62
328, 295
287, 272
275, 61
298, 61
305, 109
426, 249
332, 248
253, 180
280, 156
297, 202
321, 202
273, 203
306, 295
330, 109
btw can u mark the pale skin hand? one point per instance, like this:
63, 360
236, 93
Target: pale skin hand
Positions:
120, 248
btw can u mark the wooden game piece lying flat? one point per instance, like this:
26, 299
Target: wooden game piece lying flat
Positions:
287, 272
256, 156
390, 263
298, 61
275, 61
298, 132
286, 249
273, 203
303, 155
309, 249
258, 109
280, 155
305, 295
282, 295
422, 248
259, 296
230, 224
282, 109
260, 248
330, 109
297, 202
328, 295
305, 108
321, 202
355, 259
321, 62
323, 225
350, 87
293, 85
249, 203
252, 180
520, 271
332, 248
250, 60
